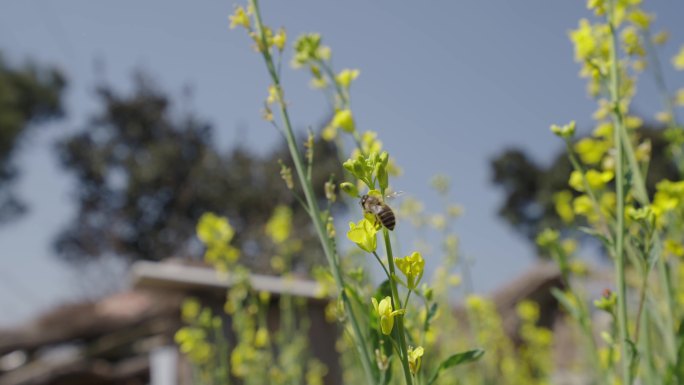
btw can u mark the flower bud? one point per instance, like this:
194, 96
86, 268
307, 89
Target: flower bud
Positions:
350, 189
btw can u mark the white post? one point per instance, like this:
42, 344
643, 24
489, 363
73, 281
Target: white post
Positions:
164, 366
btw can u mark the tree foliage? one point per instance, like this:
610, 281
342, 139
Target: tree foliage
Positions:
29, 95
529, 188
145, 175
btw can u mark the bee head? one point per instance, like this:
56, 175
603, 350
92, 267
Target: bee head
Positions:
364, 198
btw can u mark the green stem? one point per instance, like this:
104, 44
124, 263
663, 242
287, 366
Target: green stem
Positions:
397, 305
340, 92
408, 295
584, 318
377, 257
650, 371
620, 210
641, 194
314, 210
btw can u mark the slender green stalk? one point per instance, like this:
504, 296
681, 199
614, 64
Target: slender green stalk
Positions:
397, 305
222, 344
650, 371
310, 197
584, 318
377, 258
620, 210
641, 194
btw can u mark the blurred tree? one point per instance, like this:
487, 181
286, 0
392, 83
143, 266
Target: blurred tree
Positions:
145, 176
28, 95
529, 188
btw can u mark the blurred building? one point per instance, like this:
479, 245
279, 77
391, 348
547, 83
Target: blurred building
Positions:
127, 338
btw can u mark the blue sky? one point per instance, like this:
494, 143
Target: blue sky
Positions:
446, 84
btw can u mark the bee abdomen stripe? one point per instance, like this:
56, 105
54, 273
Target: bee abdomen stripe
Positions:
387, 219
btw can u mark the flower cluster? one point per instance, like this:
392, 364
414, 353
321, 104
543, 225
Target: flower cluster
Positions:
216, 233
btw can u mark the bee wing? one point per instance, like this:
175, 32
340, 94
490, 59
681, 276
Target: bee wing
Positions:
393, 195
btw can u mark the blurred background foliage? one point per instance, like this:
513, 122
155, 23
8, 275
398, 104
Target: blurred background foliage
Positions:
529, 187
30, 94
144, 172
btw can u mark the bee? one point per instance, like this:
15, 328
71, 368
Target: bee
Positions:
374, 205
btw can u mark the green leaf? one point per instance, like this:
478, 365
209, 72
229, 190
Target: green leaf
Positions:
594, 233
383, 290
432, 312
679, 365
633, 356
566, 302
455, 360
354, 295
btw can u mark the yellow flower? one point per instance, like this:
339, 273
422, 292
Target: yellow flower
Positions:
455, 280
583, 205
633, 122
598, 6
343, 119
562, 201
583, 38
239, 18
261, 338
674, 247
663, 117
192, 342
643, 151
279, 226
412, 266
280, 38
213, 229
569, 246
273, 95
632, 42
597, 180
591, 150
576, 180
222, 256
679, 97
190, 309
475, 302
414, 358
604, 130
370, 142
528, 310
678, 60
385, 313
346, 76
329, 133
547, 238
454, 210
438, 221
661, 38
578, 267
319, 83
640, 214
324, 52
640, 18
363, 234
